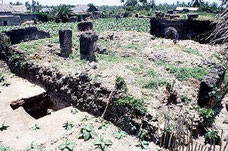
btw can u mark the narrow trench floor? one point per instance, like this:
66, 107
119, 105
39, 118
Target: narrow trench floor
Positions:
48, 131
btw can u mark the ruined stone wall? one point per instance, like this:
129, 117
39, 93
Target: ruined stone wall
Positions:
10, 20
187, 29
28, 17
26, 34
77, 90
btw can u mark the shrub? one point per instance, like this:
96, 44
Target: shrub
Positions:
135, 104
212, 137
208, 115
120, 84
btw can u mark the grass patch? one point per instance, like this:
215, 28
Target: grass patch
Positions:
151, 73
185, 73
192, 51
134, 69
153, 83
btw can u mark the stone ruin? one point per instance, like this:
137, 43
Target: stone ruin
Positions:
65, 39
212, 87
85, 26
26, 34
88, 45
187, 29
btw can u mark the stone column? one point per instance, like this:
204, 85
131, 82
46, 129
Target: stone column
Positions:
65, 39
88, 45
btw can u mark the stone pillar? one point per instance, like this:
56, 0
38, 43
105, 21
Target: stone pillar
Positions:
88, 45
65, 39
212, 87
85, 26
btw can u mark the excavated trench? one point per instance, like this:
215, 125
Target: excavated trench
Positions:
63, 90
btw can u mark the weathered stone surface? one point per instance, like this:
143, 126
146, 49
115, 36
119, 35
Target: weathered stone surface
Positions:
213, 81
85, 26
171, 33
192, 16
88, 45
187, 29
26, 34
65, 39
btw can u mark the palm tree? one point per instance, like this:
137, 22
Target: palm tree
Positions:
197, 3
61, 13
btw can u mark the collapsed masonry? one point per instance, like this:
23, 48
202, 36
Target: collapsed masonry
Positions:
75, 89
212, 87
186, 29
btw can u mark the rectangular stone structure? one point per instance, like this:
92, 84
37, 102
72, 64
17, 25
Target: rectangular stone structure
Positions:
88, 45
85, 26
65, 39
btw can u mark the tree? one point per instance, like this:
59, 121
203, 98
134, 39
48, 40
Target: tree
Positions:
197, 3
61, 13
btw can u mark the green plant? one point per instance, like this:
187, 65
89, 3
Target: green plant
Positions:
192, 51
74, 111
2, 78
151, 73
104, 125
67, 146
68, 125
35, 127
215, 93
185, 73
143, 144
135, 104
102, 143
88, 132
185, 99
225, 120
120, 84
208, 115
141, 135
212, 136
119, 134
153, 83
3, 148
34, 146
3, 127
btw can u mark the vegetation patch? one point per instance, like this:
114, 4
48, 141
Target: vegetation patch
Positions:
185, 73
135, 104
208, 115
120, 84
192, 51
152, 83
212, 136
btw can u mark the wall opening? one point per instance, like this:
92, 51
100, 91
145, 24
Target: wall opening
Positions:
5, 23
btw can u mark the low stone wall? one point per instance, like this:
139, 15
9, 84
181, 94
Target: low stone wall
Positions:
26, 34
187, 29
28, 17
